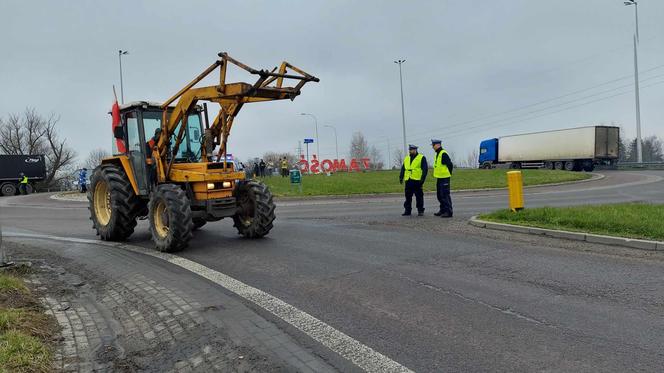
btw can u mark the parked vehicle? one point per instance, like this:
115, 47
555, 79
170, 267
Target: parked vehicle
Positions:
11, 166
573, 149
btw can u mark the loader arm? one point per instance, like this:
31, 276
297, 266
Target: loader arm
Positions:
231, 97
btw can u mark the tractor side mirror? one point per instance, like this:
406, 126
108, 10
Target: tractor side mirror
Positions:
118, 133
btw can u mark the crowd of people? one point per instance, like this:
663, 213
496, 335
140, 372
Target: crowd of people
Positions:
260, 168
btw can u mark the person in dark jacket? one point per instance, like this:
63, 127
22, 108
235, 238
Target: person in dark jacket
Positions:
414, 172
262, 166
442, 171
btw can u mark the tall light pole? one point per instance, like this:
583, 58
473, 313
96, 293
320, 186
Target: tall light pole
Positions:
316, 123
403, 115
120, 53
336, 140
639, 150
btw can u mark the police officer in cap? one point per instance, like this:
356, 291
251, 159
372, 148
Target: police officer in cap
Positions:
442, 171
414, 173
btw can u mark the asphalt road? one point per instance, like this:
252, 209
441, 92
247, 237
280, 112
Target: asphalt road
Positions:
434, 294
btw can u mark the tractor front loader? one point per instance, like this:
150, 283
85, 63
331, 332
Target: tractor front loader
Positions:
166, 169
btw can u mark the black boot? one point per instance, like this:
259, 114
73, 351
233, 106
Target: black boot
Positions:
420, 213
406, 213
446, 215
439, 213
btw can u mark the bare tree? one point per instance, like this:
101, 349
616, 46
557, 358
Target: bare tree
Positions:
472, 159
376, 158
358, 146
652, 149
95, 157
397, 158
30, 133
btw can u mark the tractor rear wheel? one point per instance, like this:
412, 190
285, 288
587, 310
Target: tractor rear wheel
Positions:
113, 204
255, 209
170, 218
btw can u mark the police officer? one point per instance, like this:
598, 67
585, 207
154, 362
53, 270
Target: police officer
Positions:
22, 183
414, 173
442, 171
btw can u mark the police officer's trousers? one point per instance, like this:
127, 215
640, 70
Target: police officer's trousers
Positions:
414, 187
443, 194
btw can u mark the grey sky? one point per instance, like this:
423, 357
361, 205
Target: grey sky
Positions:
464, 60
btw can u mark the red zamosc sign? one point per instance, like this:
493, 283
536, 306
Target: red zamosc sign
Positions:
333, 165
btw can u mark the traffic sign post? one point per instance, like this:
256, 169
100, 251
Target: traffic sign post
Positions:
307, 142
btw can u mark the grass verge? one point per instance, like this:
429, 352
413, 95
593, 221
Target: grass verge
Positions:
377, 182
26, 332
632, 220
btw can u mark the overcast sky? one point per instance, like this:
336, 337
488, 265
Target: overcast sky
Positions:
473, 70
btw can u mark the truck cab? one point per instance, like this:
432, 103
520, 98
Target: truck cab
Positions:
488, 153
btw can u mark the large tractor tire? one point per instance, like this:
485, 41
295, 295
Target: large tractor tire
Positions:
170, 218
113, 204
255, 209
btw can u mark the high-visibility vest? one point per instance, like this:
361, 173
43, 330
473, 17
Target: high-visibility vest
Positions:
440, 170
24, 180
413, 170
284, 164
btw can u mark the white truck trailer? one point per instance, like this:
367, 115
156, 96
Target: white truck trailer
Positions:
573, 149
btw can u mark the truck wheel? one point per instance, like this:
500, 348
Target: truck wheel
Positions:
588, 166
198, 223
559, 165
112, 203
486, 165
548, 165
255, 209
8, 189
170, 218
570, 166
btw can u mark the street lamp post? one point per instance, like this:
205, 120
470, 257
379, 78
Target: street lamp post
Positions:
403, 115
336, 140
316, 123
639, 150
120, 53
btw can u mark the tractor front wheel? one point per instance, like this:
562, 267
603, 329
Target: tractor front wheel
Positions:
113, 204
255, 209
170, 218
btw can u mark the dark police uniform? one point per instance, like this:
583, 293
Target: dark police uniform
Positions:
414, 173
442, 171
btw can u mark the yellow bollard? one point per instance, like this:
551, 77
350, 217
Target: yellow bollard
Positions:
515, 187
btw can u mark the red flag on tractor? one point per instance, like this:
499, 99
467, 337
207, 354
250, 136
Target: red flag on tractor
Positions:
115, 113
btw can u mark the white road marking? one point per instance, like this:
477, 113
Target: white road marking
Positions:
359, 354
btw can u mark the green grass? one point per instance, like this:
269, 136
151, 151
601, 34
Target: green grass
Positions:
11, 284
20, 352
633, 220
26, 333
377, 182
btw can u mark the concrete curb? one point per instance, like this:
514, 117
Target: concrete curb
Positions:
568, 235
68, 196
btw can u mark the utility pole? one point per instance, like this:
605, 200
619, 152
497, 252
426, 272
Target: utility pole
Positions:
639, 150
387, 165
120, 53
336, 139
316, 123
403, 115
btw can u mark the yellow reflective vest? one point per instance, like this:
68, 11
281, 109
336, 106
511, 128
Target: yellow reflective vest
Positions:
413, 171
440, 170
24, 180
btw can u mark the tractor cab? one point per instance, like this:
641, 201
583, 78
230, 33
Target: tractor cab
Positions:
140, 122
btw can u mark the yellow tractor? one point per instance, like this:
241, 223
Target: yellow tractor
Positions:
165, 166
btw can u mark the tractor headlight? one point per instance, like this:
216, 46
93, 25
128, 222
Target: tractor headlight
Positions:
226, 184
210, 186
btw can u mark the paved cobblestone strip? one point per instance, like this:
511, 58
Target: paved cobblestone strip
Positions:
359, 354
